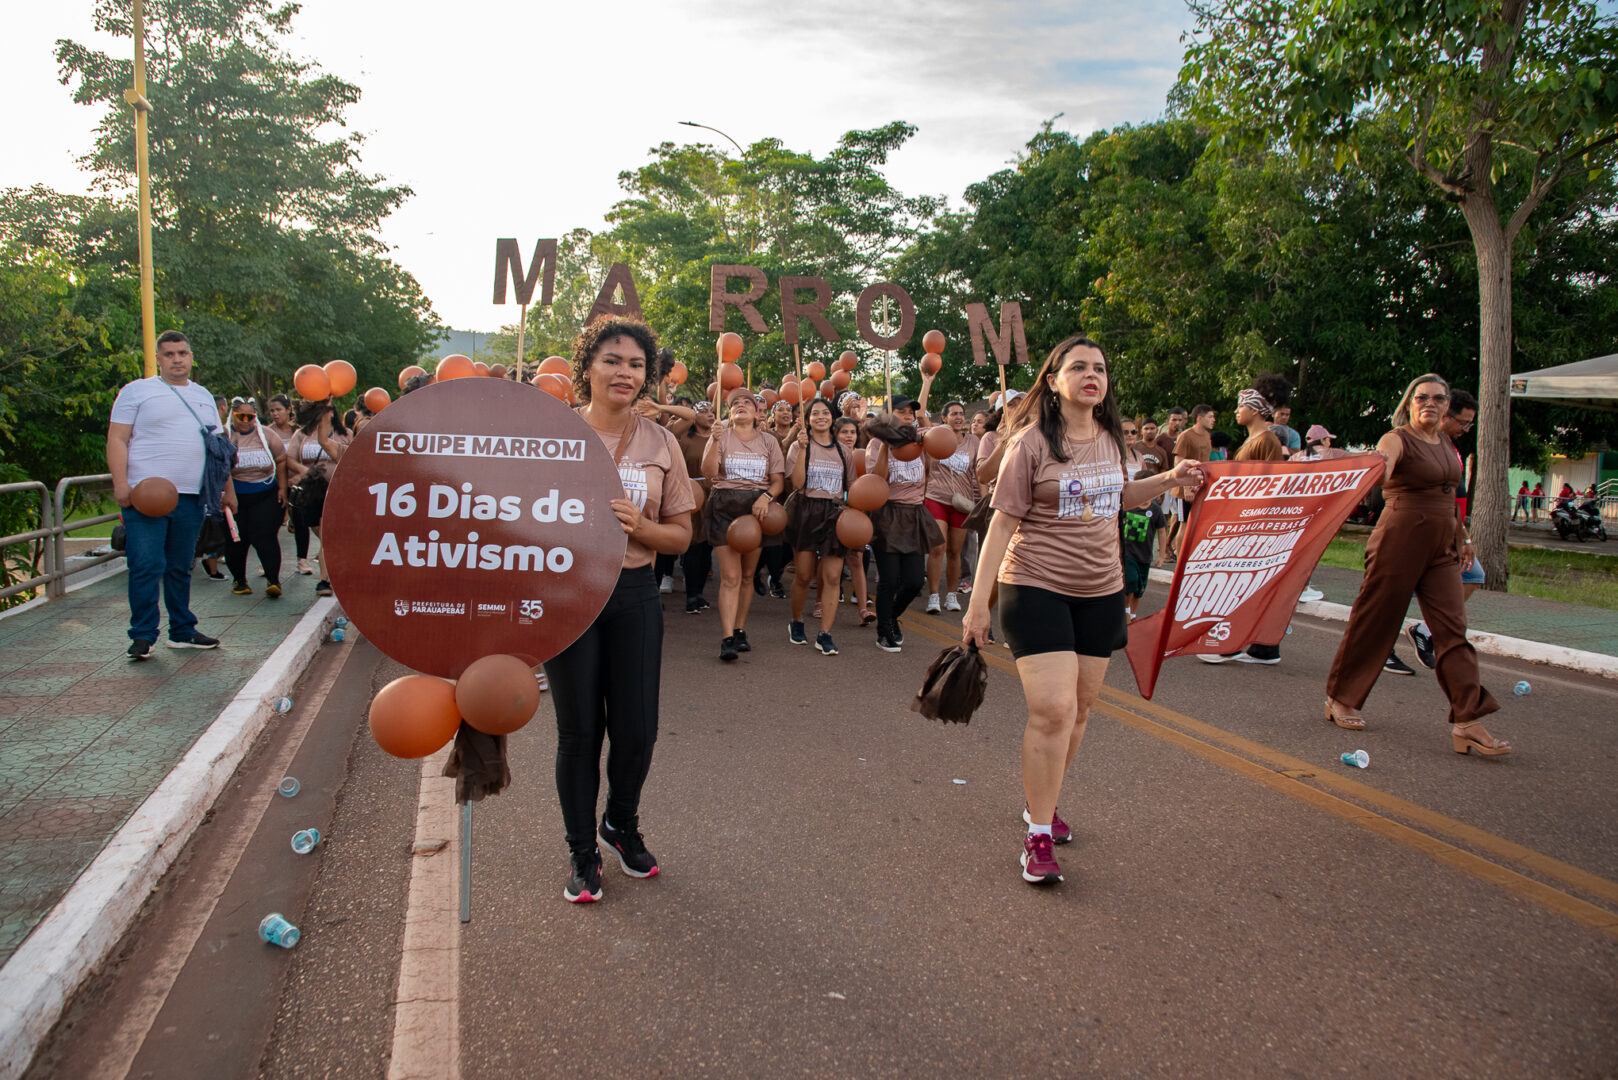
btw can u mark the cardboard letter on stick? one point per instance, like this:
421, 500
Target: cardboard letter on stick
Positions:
618, 275
792, 310
718, 298
907, 315
979, 329
508, 260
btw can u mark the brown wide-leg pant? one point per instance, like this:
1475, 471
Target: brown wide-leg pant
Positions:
1411, 551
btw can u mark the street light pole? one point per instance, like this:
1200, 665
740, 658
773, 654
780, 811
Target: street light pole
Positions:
136, 97
705, 127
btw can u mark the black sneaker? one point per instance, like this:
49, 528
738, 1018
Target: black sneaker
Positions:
795, 633
896, 632
1423, 641
694, 605
1395, 666
240, 588
727, 649
214, 574
273, 590
322, 587
584, 883
777, 590
140, 649
631, 851
824, 643
195, 641
741, 642
885, 642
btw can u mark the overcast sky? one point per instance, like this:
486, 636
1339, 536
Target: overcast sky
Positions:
515, 119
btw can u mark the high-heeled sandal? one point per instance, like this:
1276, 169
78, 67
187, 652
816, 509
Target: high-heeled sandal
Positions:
1350, 723
1465, 744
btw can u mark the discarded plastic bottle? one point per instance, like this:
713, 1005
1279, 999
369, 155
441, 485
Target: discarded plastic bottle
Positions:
1359, 759
337, 634
288, 786
1521, 689
304, 840
341, 620
275, 930
283, 705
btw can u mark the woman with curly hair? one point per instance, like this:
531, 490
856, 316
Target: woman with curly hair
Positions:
1419, 544
605, 684
745, 467
1053, 545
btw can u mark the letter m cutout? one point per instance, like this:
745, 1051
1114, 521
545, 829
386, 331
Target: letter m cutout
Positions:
508, 260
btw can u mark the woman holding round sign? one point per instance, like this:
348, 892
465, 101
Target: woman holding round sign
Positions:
746, 469
606, 684
821, 470
260, 479
1054, 546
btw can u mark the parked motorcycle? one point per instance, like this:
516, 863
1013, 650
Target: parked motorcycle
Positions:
1578, 522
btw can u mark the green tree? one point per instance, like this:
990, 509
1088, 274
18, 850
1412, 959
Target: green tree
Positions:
1475, 89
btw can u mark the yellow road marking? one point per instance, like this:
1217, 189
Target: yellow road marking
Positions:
1112, 705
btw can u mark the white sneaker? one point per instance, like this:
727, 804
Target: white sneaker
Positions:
952, 602
1213, 658
932, 604
1310, 594
666, 586
544, 683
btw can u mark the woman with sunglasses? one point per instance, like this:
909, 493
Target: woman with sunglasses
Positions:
1419, 544
260, 478
746, 469
318, 445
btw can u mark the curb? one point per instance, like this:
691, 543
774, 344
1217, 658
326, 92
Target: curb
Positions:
1534, 652
81, 930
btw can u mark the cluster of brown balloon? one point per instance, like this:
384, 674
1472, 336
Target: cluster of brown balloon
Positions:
336, 379
416, 715
453, 366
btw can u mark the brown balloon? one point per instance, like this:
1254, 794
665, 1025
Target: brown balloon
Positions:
828, 389
730, 377
497, 694
498, 371
312, 383
556, 365
859, 462
868, 493
839, 379
730, 348
154, 497
939, 441
769, 396
815, 371
342, 377
907, 452
698, 494
854, 529
775, 520
789, 393
744, 534
933, 341
849, 360
455, 366
409, 373
932, 364
480, 369
376, 399
414, 716
553, 384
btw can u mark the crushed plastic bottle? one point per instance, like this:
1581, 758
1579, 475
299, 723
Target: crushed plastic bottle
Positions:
1521, 689
304, 840
337, 634
288, 786
341, 620
1359, 759
283, 705
273, 929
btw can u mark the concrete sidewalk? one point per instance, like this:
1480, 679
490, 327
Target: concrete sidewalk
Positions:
86, 735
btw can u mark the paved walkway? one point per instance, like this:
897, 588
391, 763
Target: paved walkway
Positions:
86, 735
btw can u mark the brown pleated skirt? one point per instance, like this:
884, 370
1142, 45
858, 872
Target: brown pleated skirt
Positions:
812, 525
905, 529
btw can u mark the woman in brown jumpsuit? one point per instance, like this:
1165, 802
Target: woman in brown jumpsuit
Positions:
1419, 544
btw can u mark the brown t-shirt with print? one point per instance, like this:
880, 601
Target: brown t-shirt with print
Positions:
747, 463
655, 479
907, 480
306, 450
956, 474
255, 457
1054, 547
827, 473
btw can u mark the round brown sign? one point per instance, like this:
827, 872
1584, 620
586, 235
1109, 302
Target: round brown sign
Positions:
472, 517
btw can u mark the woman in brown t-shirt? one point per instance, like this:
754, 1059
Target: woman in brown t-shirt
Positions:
745, 467
1053, 545
820, 469
606, 683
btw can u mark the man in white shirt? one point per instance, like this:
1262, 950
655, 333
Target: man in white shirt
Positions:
157, 431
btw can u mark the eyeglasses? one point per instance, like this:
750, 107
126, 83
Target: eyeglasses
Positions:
1464, 425
245, 415
1430, 399
1129, 431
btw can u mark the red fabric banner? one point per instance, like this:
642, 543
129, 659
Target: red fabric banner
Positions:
1256, 532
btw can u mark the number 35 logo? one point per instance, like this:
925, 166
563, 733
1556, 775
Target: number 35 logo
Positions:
531, 609
1220, 632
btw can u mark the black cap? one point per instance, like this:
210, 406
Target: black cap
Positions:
899, 401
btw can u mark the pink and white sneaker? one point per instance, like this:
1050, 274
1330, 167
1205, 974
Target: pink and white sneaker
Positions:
1039, 860
1060, 833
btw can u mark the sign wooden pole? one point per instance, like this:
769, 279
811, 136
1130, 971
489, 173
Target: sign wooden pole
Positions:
522, 326
797, 361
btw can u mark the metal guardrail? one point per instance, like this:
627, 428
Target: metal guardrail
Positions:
53, 529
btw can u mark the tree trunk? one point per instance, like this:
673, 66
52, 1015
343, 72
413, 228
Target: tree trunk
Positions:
1490, 497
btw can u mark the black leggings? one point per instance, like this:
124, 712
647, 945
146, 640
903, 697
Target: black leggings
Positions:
258, 520
696, 564
605, 684
899, 581
300, 532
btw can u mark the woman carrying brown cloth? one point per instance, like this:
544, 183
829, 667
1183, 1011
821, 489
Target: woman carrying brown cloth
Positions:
1419, 544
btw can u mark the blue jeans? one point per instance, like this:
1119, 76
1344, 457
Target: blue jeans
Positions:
162, 549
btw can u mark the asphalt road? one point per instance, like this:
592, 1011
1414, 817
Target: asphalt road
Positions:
834, 902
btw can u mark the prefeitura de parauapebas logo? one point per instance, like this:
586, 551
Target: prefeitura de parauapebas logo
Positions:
472, 517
